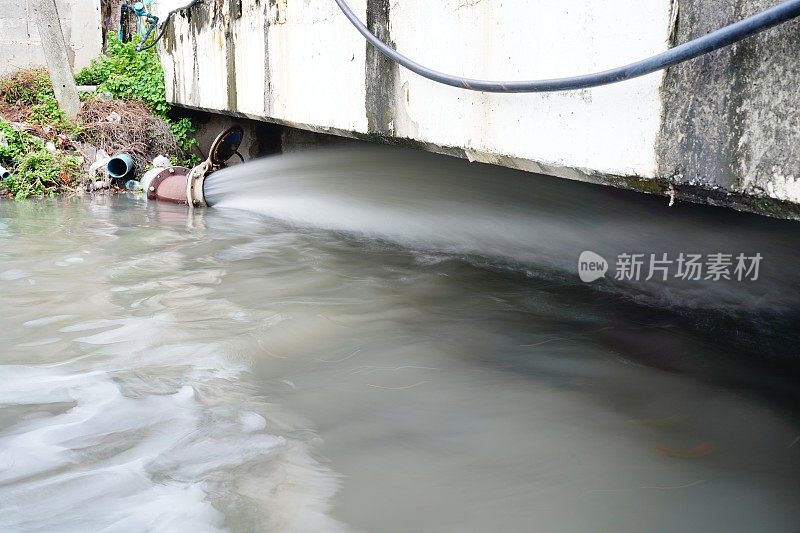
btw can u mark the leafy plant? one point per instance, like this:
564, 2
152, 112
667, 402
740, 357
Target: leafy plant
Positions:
125, 73
31, 89
128, 74
47, 113
42, 173
183, 130
14, 143
34, 170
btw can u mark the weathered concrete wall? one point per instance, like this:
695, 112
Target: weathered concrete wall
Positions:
713, 130
21, 47
732, 118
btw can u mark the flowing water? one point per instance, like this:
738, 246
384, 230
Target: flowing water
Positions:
344, 354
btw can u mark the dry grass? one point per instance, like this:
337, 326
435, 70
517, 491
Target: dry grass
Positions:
14, 112
23, 87
19, 92
136, 131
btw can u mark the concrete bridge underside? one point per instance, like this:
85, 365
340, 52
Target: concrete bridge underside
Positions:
721, 129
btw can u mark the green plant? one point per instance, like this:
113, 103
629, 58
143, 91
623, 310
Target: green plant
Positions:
183, 130
34, 170
125, 73
41, 173
32, 89
14, 143
47, 113
128, 74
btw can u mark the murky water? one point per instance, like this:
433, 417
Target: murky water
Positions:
173, 371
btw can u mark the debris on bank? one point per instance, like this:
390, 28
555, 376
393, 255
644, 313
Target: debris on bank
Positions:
44, 154
126, 127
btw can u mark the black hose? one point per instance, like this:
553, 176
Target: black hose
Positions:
684, 52
123, 23
152, 24
190, 5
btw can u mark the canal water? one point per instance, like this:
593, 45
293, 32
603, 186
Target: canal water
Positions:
226, 369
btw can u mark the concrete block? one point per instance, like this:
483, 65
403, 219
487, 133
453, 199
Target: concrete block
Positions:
80, 23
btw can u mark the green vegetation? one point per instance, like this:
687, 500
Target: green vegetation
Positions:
32, 89
37, 172
14, 144
125, 73
25, 87
47, 113
184, 131
142, 126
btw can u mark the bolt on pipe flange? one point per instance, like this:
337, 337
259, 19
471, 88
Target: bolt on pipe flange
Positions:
194, 185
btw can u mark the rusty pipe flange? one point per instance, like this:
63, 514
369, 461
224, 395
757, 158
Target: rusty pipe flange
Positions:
225, 145
194, 184
169, 185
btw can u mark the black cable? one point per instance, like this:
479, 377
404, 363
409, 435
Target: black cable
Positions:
152, 23
164, 24
684, 52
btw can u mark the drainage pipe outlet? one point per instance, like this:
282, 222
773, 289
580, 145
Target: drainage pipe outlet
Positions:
120, 166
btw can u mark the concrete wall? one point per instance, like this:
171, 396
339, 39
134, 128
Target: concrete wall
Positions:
716, 130
20, 45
